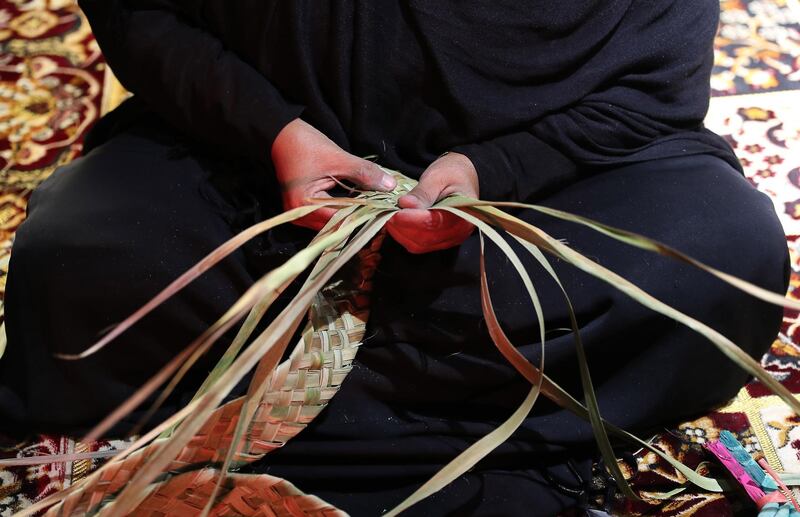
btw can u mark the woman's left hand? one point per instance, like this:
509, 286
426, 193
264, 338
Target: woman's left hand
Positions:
421, 230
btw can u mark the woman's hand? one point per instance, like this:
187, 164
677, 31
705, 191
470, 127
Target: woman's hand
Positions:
420, 230
306, 163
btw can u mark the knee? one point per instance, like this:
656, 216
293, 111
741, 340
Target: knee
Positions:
743, 237
33, 237
65, 212
57, 230
754, 239
93, 239
731, 226
725, 223
762, 249
37, 244
742, 233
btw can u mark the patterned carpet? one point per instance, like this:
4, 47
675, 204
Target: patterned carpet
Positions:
54, 85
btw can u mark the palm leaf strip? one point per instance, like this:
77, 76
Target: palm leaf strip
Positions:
147, 473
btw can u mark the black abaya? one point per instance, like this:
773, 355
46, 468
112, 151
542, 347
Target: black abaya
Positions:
593, 107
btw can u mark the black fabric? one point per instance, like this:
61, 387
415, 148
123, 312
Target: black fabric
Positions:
535, 93
541, 97
427, 382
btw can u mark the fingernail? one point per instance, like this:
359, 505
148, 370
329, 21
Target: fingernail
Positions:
388, 181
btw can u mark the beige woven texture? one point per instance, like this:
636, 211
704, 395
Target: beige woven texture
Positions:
298, 390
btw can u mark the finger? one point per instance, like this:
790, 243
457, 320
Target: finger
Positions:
425, 194
406, 241
315, 220
415, 219
421, 231
420, 197
415, 245
427, 222
368, 176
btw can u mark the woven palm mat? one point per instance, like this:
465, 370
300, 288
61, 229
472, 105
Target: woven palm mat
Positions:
54, 85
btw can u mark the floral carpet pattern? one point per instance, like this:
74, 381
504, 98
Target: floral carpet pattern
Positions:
22, 486
757, 47
54, 84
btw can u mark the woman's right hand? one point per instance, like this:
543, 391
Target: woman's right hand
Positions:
306, 163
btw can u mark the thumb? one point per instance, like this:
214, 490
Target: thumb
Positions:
370, 176
424, 195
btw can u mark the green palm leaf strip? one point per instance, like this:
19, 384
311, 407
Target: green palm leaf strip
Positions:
333, 246
248, 327
638, 241
601, 436
480, 449
135, 491
262, 289
257, 313
536, 235
327, 264
198, 269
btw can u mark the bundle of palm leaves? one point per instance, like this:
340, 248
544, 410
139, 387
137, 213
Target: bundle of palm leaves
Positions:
182, 465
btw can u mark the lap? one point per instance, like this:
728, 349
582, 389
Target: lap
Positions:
430, 382
108, 231
428, 353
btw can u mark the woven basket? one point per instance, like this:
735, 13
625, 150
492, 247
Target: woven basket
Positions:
297, 391
241, 495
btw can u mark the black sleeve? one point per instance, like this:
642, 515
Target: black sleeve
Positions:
159, 51
654, 95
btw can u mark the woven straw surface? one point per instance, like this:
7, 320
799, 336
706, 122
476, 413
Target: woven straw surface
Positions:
245, 495
298, 389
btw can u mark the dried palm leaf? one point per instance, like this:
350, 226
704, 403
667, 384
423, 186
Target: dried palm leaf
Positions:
279, 403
